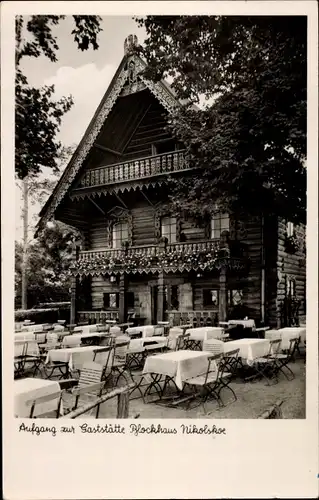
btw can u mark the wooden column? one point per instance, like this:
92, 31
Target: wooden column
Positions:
160, 297
223, 294
122, 299
74, 287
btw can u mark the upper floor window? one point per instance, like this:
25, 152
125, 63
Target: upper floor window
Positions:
165, 146
168, 228
119, 234
290, 229
219, 223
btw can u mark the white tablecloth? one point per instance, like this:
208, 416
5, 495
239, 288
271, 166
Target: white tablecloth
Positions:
27, 389
72, 340
180, 365
285, 334
32, 328
140, 344
205, 333
146, 331
75, 356
32, 348
247, 323
85, 328
249, 349
30, 336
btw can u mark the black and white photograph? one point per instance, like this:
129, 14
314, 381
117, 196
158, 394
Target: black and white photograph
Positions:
161, 194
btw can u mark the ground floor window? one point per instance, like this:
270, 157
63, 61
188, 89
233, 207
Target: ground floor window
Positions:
235, 297
210, 298
111, 300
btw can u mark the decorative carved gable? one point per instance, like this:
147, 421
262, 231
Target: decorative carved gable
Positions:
127, 73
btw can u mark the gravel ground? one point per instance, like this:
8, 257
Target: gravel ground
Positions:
253, 398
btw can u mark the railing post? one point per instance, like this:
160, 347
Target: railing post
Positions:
123, 401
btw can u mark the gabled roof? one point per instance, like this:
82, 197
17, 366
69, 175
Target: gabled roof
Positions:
161, 90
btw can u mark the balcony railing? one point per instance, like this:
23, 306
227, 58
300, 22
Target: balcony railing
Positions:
186, 248
182, 256
136, 169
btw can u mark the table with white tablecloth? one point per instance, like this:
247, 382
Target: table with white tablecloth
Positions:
146, 331
30, 336
249, 349
138, 344
178, 365
246, 323
74, 356
286, 334
29, 389
28, 347
85, 329
205, 333
33, 328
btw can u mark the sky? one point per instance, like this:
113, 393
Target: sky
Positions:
84, 75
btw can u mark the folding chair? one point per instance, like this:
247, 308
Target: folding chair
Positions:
281, 360
45, 399
181, 341
20, 351
213, 346
212, 382
192, 344
105, 361
266, 365
89, 384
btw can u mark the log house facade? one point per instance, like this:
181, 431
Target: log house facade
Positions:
140, 261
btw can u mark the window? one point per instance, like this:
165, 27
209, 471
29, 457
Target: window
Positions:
111, 300
119, 234
290, 229
235, 297
163, 147
219, 223
210, 298
168, 228
291, 287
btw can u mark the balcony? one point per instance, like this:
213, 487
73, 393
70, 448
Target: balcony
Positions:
177, 257
142, 168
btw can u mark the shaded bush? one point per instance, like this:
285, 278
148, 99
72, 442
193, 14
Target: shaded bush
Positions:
45, 315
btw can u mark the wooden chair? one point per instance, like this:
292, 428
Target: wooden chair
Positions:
192, 344
281, 360
20, 348
212, 382
266, 365
214, 346
45, 399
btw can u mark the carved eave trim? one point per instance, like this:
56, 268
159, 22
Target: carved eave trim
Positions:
159, 90
98, 192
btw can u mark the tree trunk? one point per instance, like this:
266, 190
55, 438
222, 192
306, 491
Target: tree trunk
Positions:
24, 281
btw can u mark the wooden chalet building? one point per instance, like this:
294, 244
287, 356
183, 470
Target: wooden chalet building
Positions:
140, 261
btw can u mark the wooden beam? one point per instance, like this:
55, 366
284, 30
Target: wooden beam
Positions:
120, 200
147, 199
138, 123
108, 150
97, 206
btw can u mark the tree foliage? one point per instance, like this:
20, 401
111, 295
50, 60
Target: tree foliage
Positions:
38, 115
49, 257
249, 139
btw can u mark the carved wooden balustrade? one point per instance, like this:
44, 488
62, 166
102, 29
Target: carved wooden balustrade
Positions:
136, 169
193, 318
181, 256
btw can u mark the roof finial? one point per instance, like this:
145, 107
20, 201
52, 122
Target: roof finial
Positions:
130, 44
